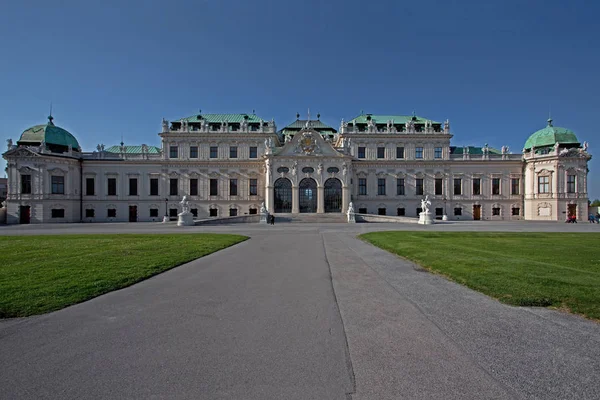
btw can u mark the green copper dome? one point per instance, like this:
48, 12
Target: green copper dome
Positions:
551, 135
50, 134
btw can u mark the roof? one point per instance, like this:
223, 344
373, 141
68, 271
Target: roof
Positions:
550, 135
383, 119
473, 150
314, 124
49, 134
133, 149
218, 118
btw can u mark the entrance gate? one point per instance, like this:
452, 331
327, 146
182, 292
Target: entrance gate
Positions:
333, 196
283, 195
308, 195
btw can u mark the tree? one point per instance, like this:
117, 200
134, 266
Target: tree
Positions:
595, 203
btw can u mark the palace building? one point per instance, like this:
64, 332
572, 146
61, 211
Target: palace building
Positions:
229, 164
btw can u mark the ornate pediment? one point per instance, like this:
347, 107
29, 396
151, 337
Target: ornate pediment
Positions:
21, 152
308, 142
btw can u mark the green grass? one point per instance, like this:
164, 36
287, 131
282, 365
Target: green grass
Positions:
559, 270
39, 274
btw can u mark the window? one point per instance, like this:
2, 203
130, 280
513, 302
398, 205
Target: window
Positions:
514, 186
173, 183
214, 152
58, 185
233, 151
381, 211
400, 187
495, 186
233, 187
133, 186
173, 212
438, 186
543, 184
154, 212
419, 186
194, 187
111, 213
381, 152
439, 211
214, 187
58, 213
515, 211
381, 186
90, 213
362, 211
173, 150
570, 183
457, 186
419, 152
194, 212
153, 186
362, 186
233, 212
89, 186
457, 211
477, 186
419, 211
437, 152
361, 152
213, 212
26, 184
495, 210
252, 211
399, 152
253, 189
112, 186
400, 212
253, 152
193, 151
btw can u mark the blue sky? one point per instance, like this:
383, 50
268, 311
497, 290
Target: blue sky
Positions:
116, 68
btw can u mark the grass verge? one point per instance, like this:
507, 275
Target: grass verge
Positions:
39, 274
559, 270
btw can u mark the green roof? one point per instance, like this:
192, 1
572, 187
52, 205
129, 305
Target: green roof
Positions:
218, 118
49, 134
473, 150
314, 124
133, 149
383, 119
550, 135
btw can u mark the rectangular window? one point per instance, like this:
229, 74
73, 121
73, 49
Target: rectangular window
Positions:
133, 187
153, 186
173, 212
437, 153
173, 186
214, 152
457, 186
381, 152
438, 186
90, 213
419, 186
570, 183
515, 211
252, 211
193, 151
361, 152
233, 212
253, 152
543, 184
26, 184
89, 186
400, 187
419, 152
253, 188
362, 211
112, 186
154, 212
400, 212
495, 211
399, 152
111, 213
233, 151
58, 185
457, 211
495, 186
214, 187
213, 212
381, 186
439, 211
514, 186
362, 186
194, 212
419, 211
173, 150
58, 213
233, 187
194, 187
381, 211
477, 186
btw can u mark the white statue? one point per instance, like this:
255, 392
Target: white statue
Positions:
263, 208
294, 166
425, 203
344, 169
185, 208
320, 168
556, 145
350, 208
447, 126
9, 144
165, 125
585, 146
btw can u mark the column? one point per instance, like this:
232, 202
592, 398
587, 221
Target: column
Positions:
320, 199
295, 200
270, 199
345, 198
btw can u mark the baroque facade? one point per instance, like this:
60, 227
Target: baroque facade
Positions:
229, 164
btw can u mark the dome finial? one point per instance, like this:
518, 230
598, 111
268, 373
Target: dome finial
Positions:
550, 121
50, 117
549, 116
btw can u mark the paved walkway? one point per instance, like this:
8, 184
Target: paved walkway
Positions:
299, 311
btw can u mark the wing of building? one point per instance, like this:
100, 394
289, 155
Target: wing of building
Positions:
229, 164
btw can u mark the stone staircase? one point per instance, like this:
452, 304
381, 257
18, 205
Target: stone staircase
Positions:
310, 218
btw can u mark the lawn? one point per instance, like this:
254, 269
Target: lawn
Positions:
559, 270
39, 274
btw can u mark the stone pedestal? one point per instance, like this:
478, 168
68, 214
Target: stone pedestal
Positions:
264, 218
185, 219
425, 218
165, 219
444, 217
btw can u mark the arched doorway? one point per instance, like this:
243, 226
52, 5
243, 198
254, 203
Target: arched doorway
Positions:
308, 195
283, 195
333, 196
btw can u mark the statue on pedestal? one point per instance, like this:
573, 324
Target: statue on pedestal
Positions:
263, 208
165, 125
185, 208
425, 203
9, 144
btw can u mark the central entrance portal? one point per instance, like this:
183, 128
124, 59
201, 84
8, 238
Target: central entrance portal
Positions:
333, 196
308, 195
283, 195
